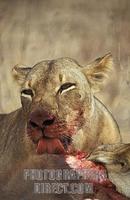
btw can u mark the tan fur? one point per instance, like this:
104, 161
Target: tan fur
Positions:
19, 187
116, 158
95, 126
46, 77
91, 122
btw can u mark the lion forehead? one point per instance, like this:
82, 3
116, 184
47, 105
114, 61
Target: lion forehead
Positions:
57, 71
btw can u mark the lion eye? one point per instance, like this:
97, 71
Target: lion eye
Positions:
27, 92
66, 87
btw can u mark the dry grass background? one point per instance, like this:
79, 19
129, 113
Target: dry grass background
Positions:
33, 30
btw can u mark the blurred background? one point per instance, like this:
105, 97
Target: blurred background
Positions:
33, 30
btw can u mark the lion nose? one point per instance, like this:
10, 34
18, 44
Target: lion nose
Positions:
41, 118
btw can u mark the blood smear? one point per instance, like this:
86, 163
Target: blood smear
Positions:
96, 173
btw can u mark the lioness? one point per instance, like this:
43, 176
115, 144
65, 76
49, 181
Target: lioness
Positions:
59, 111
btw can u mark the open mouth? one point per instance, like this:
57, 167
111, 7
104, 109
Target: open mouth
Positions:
45, 143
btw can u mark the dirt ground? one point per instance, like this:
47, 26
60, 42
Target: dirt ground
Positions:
33, 30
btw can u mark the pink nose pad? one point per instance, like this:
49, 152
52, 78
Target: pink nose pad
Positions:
40, 118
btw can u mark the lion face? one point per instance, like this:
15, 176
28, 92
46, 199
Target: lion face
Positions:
57, 98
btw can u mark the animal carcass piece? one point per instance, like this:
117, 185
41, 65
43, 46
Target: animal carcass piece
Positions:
97, 175
116, 159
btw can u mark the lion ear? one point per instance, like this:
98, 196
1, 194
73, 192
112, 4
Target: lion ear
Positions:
20, 72
98, 71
